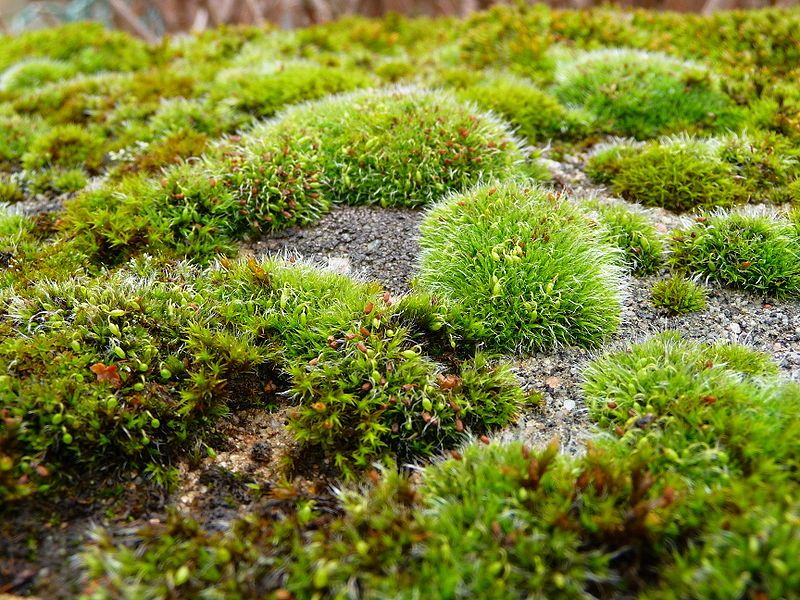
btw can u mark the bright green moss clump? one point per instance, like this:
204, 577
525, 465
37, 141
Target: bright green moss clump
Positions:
536, 114
643, 94
33, 73
635, 235
678, 296
89, 47
66, 146
530, 271
677, 174
684, 173
401, 146
265, 90
16, 134
755, 253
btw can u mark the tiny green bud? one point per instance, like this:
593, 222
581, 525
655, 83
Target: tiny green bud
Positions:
181, 575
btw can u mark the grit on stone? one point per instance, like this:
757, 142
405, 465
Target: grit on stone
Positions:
368, 242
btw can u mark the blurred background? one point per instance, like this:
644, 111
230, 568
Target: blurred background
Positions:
150, 19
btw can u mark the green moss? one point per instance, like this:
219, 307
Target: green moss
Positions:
66, 146
644, 94
87, 46
606, 163
682, 173
16, 134
507, 37
55, 181
635, 235
90, 98
153, 157
530, 271
753, 253
536, 114
678, 174
678, 296
33, 73
765, 165
698, 481
395, 70
135, 366
263, 91
402, 146
10, 192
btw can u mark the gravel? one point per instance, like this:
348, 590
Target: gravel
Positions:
362, 241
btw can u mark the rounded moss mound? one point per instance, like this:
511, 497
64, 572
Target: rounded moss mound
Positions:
529, 269
754, 253
635, 235
643, 94
679, 174
677, 295
32, 73
685, 172
398, 147
536, 114
266, 89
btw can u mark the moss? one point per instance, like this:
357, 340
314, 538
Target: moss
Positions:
644, 94
765, 165
754, 253
90, 99
153, 157
607, 161
677, 174
16, 134
263, 91
395, 70
635, 235
536, 115
677, 295
87, 46
507, 37
134, 366
529, 270
32, 73
370, 150
55, 181
10, 192
682, 173
66, 146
